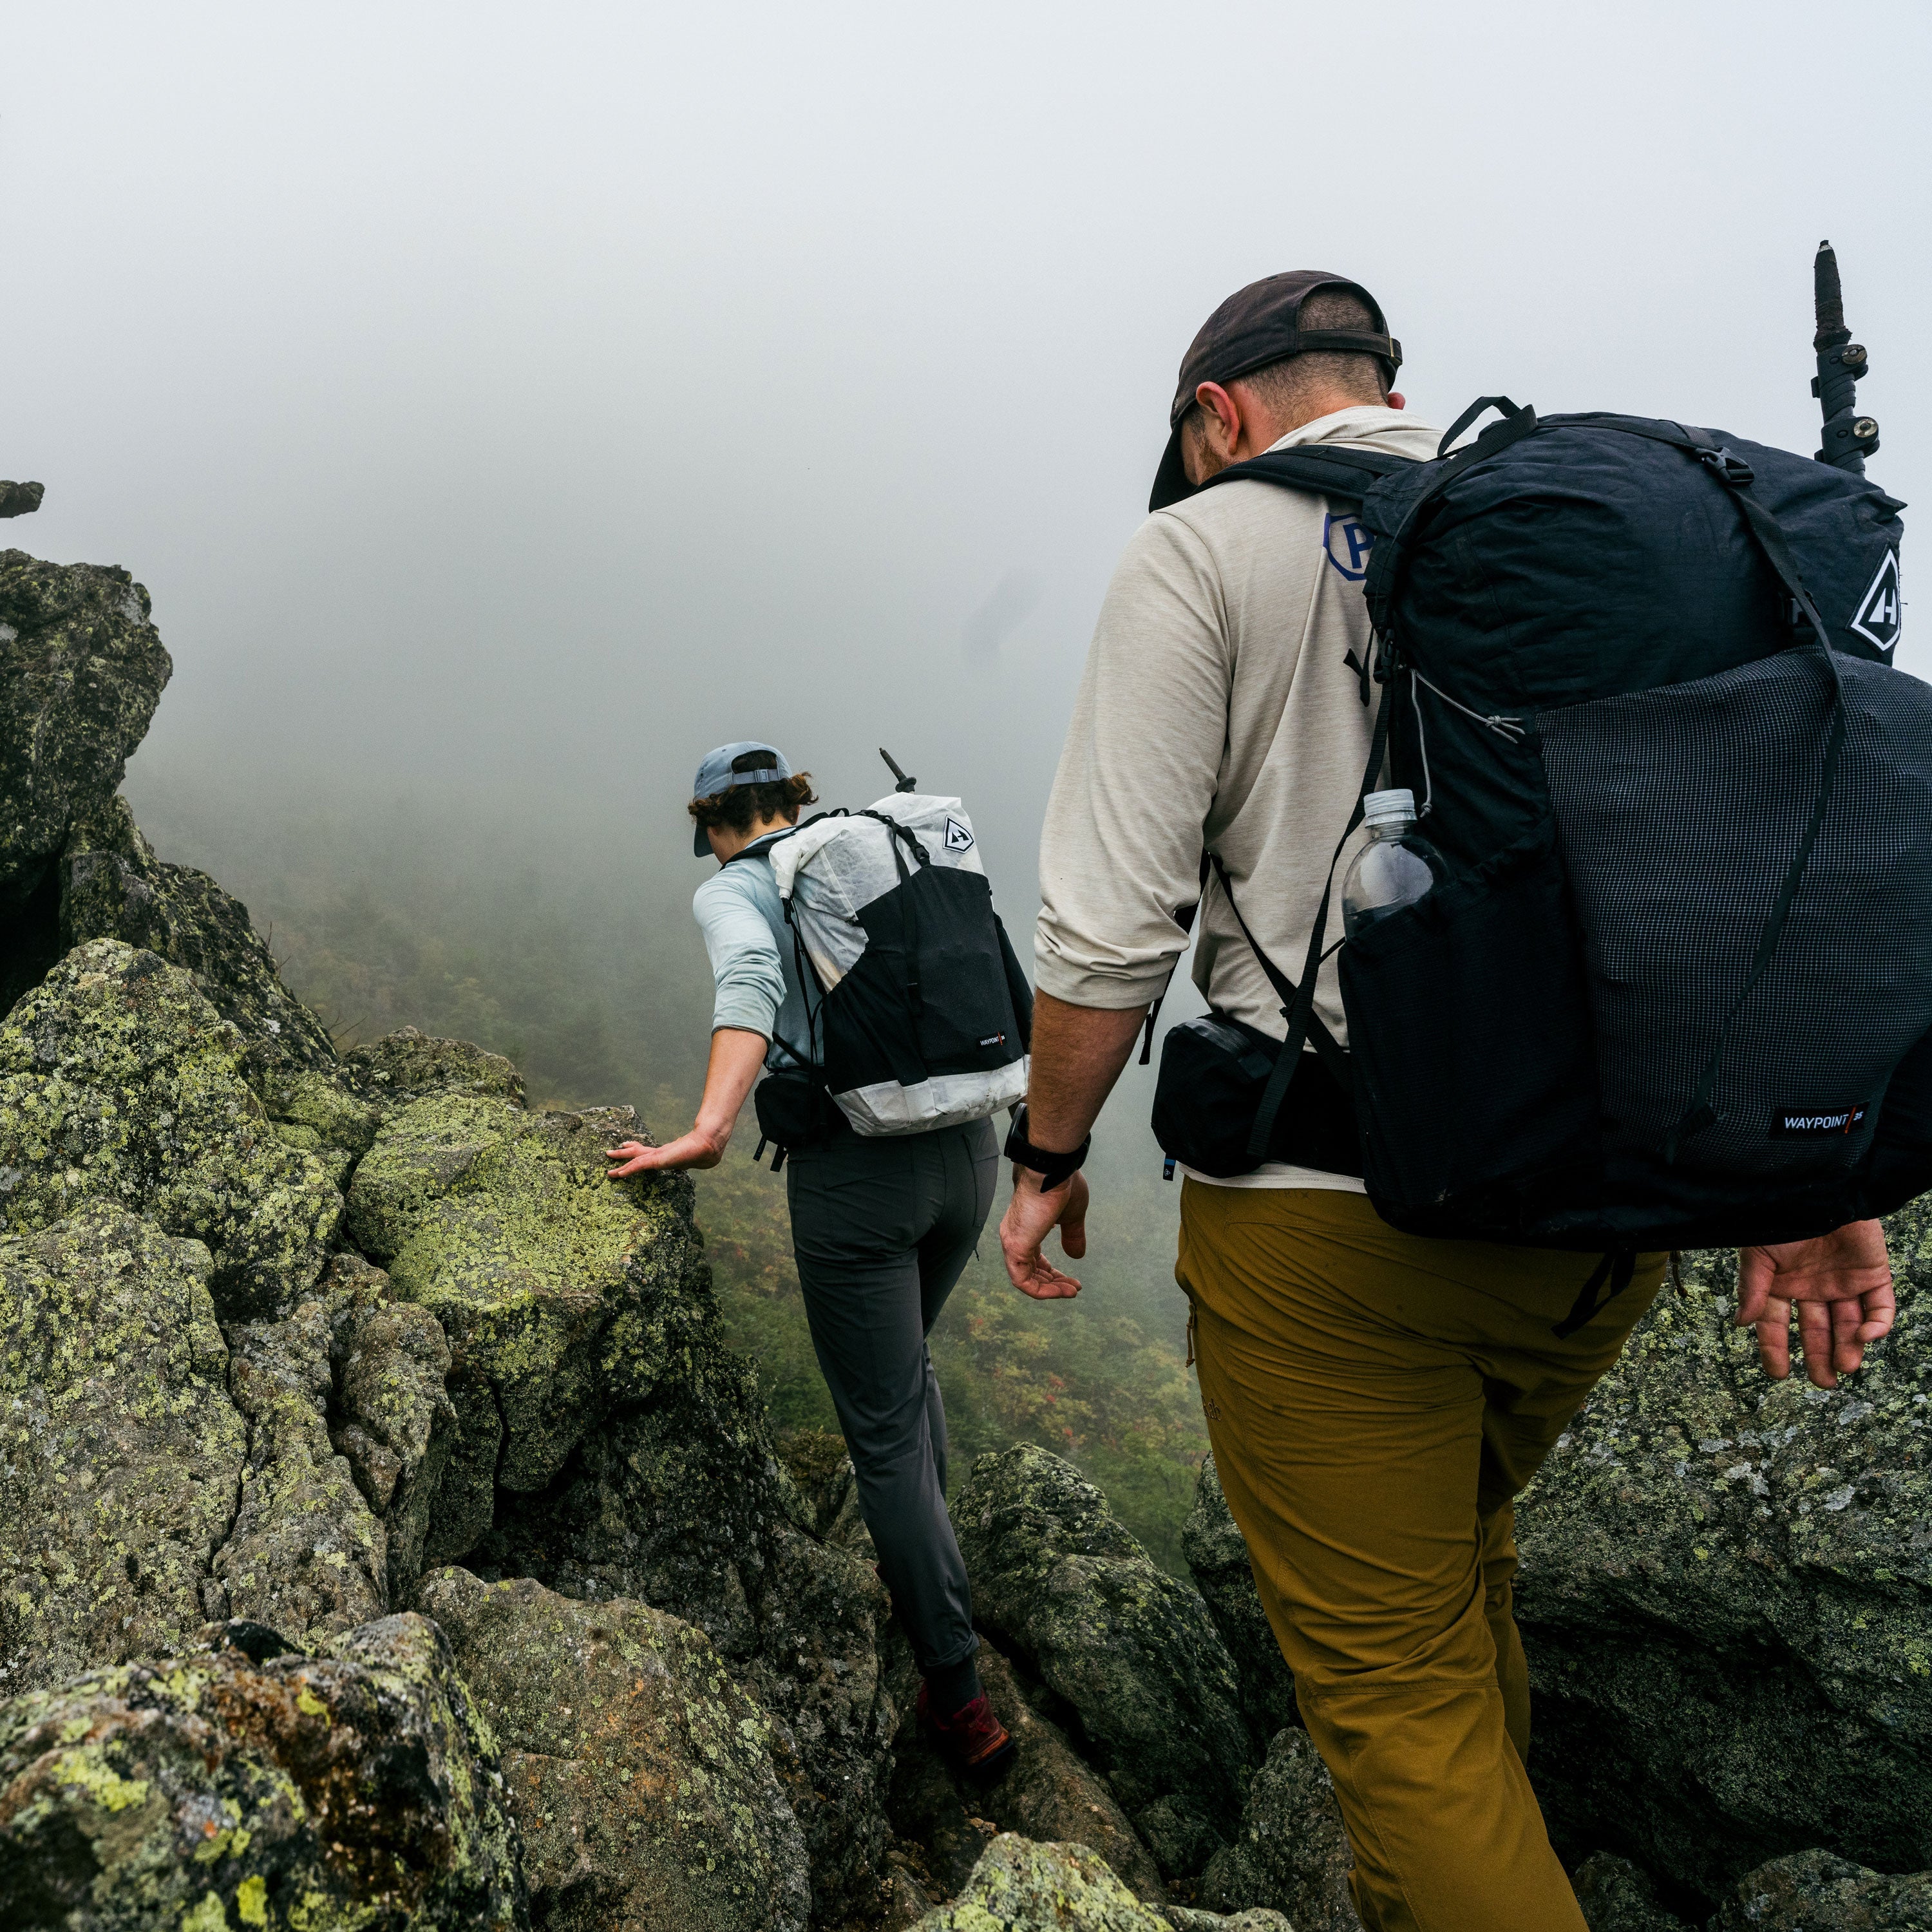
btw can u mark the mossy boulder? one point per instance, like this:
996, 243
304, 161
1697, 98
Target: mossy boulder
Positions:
1068, 1592
113, 887
1726, 1595
307, 1555
119, 1081
390, 1414
121, 1455
1812, 1892
677, 1497
407, 1066
1021, 1886
210, 1790
82, 668
1291, 1853
1217, 1560
640, 1774
506, 1226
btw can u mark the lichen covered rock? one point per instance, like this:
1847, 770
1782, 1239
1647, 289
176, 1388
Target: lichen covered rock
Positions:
640, 1774
113, 887
1020, 1886
82, 668
1049, 1794
1726, 1595
506, 1226
1217, 1560
407, 1066
119, 1081
391, 1416
1066, 1590
210, 1790
121, 1455
1292, 1853
1812, 1892
1615, 1896
307, 1555
677, 1497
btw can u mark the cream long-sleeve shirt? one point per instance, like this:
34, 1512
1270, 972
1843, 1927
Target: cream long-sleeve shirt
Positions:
1218, 707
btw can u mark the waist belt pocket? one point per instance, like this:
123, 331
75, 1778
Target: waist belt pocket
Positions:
1470, 1029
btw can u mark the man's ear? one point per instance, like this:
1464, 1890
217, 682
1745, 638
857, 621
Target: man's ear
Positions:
1396, 399
1221, 421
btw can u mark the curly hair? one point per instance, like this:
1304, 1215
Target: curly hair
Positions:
741, 807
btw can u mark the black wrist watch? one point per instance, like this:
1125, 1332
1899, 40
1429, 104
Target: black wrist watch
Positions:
1055, 1169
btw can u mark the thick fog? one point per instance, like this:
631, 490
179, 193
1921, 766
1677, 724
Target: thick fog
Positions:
502, 404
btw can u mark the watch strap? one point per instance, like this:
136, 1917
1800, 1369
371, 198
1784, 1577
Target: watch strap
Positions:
1055, 1169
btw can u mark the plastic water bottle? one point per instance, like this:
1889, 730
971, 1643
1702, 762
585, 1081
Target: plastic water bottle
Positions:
1394, 868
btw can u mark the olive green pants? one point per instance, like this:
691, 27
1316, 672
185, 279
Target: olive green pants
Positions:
1375, 1403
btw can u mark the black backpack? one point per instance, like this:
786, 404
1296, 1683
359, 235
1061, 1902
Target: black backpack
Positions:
1677, 989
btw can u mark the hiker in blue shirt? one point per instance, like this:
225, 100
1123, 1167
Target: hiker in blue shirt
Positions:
882, 1229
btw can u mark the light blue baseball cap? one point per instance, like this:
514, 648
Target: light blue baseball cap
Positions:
719, 771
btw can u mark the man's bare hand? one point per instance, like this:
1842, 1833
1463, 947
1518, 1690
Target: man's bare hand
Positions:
1031, 1217
691, 1150
1839, 1283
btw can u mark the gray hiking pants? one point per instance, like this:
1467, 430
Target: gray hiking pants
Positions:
882, 1229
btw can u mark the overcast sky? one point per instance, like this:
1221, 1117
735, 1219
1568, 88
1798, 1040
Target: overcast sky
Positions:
510, 402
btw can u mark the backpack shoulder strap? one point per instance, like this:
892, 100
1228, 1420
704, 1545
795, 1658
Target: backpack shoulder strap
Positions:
1344, 471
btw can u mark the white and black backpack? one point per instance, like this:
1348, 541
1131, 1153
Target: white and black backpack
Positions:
920, 1015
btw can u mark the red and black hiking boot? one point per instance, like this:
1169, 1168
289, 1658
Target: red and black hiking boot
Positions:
972, 1739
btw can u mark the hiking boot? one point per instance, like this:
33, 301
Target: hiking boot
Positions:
973, 1740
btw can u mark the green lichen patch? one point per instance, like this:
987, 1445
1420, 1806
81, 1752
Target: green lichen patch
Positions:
119, 1081
408, 1066
121, 1452
356, 1789
1020, 1886
506, 1226
635, 1766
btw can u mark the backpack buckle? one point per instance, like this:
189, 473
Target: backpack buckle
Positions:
1727, 468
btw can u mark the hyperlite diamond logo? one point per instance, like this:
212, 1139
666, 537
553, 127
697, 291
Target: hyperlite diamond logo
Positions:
958, 839
1880, 614
1789, 1122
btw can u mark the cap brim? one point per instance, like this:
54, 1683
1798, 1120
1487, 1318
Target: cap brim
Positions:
1170, 481
700, 846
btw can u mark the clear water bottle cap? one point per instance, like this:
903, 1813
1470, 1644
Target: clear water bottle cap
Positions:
1388, 807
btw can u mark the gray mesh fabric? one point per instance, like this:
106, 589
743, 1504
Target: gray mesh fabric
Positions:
1678, 811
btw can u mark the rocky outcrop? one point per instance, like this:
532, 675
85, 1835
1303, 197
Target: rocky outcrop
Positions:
1020, 1886
1815, 1892
119, 1081
1217, 1560
1614, 1896
245, 1784
640, 1774
1292, 1853
504, 1225
121, 1454
407, 1066
81, 671
1130, 1655
1726, 1595
1050, 1793
112, 887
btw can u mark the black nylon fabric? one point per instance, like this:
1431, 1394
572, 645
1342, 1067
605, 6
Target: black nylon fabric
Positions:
1677, 810
930, 994
1582, 562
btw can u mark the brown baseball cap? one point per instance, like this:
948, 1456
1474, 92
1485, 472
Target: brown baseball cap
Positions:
1255, 326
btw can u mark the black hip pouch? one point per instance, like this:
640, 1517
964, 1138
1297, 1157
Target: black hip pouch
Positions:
795, 1110
1214, 1072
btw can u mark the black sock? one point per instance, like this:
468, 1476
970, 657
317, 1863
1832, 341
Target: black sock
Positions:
950, 1687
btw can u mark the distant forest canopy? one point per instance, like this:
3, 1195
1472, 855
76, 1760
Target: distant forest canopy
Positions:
571, 949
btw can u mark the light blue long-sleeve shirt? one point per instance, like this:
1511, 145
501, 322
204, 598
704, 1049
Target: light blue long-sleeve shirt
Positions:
740, 912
